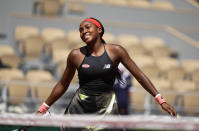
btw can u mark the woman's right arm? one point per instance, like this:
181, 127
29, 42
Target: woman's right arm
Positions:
64, 82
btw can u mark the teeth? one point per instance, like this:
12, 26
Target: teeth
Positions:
87, 35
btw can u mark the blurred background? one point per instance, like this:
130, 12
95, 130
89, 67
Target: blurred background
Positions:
161, 36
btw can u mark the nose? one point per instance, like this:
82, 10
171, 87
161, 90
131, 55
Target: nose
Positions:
84, 31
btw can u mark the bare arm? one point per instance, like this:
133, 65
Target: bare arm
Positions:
140, 77
64, 82
136, 72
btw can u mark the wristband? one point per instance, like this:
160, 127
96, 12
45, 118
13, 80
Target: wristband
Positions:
159, 99
43, 108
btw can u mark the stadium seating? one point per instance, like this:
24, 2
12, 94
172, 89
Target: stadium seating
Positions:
41, 90
76, 7
137, 99
163, 5
11, 74
6, 50
11, 60
173, 74
52, 33
151, 71
191, 105
139, 3
147, 44
51, 7
32, 47
23, 31
109, 37
39, 75
17, 92
127, 40
143, 60
189, 66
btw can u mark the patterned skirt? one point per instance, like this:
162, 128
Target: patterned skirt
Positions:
89, 103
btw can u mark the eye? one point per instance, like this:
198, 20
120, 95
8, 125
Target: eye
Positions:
87, 26
80, 30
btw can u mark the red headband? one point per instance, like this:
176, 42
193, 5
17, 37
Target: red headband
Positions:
94, 22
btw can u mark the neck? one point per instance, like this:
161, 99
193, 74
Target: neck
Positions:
96, 48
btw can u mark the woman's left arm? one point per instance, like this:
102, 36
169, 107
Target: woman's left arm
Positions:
125, 59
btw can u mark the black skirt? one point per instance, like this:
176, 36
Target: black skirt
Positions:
90, 103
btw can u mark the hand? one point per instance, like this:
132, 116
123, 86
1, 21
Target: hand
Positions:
38, 113
170, 109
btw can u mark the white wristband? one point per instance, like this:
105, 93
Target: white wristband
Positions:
157, 95
46, 105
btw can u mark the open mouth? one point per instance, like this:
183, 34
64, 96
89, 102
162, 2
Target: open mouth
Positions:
87, 36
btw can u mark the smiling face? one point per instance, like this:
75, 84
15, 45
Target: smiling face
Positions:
89, 32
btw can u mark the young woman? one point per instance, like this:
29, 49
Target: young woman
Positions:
97, 64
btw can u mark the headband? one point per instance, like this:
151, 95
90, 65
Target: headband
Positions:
94, 22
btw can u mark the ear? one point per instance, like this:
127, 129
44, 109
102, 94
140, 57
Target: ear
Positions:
99, 30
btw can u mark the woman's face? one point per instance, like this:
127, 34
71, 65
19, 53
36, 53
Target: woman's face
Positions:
88, 32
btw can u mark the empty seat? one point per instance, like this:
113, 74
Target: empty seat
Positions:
163, 5
137, 49
52, 33
18, 92
143, 60
139, 3
173, 74
11, 60
94, 1
59, 55
195, 78
42, 90
184, 86
195, 75
51, 7
190, 65
191, 103
127, 40
33, 46
109, 38
137, 99
162, 51
39, 75
161, 84
165, 63
76, 7
11, 74
116, 2
6, 50
59, 43
150, 42
151, 71
23, 31
74, 38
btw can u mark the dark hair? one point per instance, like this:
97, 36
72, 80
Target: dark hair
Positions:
103, 41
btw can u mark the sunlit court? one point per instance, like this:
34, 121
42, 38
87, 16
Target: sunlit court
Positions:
99, 65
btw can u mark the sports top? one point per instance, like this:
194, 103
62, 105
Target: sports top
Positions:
96, 73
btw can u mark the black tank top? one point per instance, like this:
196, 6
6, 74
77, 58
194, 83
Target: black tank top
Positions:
96, 73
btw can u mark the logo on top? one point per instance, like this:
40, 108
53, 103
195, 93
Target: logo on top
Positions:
107, 66
85, 65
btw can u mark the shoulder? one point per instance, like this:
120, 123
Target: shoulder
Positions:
74, 53
115, 48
